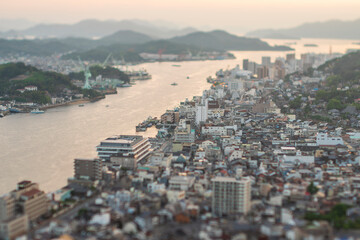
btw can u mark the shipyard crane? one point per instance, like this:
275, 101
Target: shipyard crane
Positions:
87, 74
106, 60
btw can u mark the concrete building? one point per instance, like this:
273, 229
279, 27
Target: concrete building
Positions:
14, 227
323, 139
34, 203
121, 145
201, 112
266, 61
12, 223
170, 117
90, 169
230, 196
184, 132
181, 183
246, 64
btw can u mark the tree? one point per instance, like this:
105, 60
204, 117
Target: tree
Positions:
312, 189
296, 103
335, 104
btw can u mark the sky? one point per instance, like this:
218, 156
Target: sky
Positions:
234, 15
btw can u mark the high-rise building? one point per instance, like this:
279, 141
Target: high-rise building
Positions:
201, 112
290, 57
230, 196
89, 169
262, 72
252, 67
246, 64
119, 145
266, 61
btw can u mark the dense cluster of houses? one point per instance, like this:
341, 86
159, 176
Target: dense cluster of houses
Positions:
229, 165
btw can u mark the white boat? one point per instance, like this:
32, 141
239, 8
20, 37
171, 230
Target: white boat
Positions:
125, 85
37, 111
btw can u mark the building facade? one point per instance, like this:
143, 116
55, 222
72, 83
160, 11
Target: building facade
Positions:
230, 196
122, 145
90, 169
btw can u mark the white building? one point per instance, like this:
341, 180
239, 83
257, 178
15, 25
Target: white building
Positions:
181, 183
323, 139
201, 112
298, 158
133, 146
184, 133
230, 196
31, 88
217, 130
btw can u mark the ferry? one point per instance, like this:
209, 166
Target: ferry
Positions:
37, 111
138, 75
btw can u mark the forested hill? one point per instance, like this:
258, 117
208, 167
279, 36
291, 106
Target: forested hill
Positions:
107, 72
14, 76
224, 41
345, 68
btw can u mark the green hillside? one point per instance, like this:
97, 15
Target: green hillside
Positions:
15, 76
130, 52
223, 41
108, 72
345, 69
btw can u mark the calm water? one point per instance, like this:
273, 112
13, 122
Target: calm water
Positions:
42, 147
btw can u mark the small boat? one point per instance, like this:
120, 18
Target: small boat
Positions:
1, 115
107, 106
174, 84
176, 65
140, 128
81, 105
14, 110
125, 85
37, 111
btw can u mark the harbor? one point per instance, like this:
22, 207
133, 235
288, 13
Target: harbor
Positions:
74, 130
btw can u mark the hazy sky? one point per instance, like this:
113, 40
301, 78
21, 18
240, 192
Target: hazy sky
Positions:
238, 15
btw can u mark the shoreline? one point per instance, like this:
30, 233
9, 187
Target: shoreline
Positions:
75, 102
80, 101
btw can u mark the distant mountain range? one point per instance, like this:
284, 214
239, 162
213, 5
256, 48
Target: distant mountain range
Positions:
45, 47
129, 44
220, 41
330, 29
15, 24
96, 29
223, 41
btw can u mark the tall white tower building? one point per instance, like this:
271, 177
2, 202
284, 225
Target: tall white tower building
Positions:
230, 196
